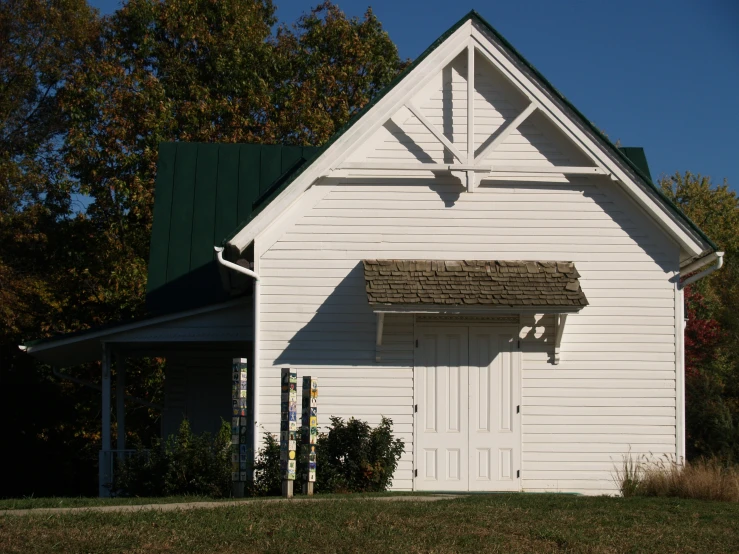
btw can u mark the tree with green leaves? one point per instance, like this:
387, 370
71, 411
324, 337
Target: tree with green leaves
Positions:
712, 333
84, 103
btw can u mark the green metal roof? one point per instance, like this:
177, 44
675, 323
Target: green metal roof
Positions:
203, 191
637, 156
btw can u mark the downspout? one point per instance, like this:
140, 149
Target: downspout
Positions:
717, 261
257, 325
717, 257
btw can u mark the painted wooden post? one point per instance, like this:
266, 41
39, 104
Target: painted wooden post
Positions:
120, 402
104, 460
239, 426
310, 432
288, 430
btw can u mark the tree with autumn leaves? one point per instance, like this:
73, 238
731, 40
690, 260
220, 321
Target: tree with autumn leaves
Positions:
712, 331
85, 101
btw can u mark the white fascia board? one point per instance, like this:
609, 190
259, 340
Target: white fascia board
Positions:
358, 133
290, 217
667, 220
109, 332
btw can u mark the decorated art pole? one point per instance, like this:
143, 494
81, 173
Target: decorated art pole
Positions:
288, 430
310, 432
239, 426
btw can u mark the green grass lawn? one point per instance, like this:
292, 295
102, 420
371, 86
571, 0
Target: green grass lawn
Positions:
490, 523
30, 503
83, 502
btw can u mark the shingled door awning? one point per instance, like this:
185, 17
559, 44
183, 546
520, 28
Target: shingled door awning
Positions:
472, 286
514, 284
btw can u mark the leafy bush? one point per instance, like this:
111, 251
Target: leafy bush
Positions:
704, 479
183, 464
353, 457
267, 478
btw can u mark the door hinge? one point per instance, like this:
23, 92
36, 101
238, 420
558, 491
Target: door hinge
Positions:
416, 343
518, 409
415, 409
415, 473
518, 474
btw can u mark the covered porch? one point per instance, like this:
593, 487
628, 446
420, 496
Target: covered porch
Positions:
198, 346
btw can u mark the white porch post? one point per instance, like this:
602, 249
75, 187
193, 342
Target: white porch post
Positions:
104, 460
120, 401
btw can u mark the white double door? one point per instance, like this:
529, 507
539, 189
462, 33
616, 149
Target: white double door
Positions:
467, 425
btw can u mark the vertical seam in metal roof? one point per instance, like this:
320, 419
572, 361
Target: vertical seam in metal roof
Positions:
192, 219
171, 203
215, 203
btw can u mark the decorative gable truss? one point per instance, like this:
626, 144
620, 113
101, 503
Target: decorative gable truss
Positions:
472, 108
472, 122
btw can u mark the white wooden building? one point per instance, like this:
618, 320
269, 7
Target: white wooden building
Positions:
493, 382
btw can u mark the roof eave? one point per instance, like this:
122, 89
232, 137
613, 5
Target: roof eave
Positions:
106, 332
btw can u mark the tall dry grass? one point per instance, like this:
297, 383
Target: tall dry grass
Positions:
702, 479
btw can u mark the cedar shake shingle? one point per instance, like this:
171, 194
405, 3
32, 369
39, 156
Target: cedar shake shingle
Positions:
473, 282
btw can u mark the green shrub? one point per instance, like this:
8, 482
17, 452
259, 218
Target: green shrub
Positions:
353, 457
267, 478
183, 464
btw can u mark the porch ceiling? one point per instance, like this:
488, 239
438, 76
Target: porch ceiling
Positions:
216, 326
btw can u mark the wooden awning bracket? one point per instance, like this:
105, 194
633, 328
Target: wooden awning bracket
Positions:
559, 327
378, 337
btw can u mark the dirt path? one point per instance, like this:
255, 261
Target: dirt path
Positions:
215, 504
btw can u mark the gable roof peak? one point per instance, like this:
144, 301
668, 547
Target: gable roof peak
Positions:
609, 157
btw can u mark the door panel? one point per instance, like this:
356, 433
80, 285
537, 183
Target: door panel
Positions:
493, 403
442, 392
467, 425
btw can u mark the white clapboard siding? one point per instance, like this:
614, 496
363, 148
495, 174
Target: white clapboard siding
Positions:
613, 392
351, 384
617, 375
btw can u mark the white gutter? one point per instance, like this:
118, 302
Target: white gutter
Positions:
717, 257
257, 325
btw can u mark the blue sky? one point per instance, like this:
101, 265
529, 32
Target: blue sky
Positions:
654, 73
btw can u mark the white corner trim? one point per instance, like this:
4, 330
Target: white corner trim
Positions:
679, 371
